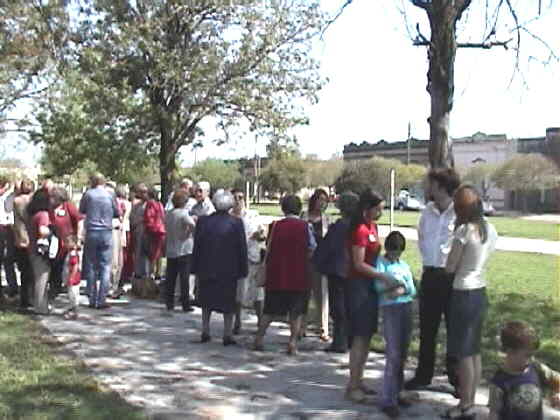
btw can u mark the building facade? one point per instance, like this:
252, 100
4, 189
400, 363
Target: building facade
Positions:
468, 151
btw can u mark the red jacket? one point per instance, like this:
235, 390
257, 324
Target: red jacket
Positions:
287, 261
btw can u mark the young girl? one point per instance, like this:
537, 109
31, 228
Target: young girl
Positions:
395, 302
516, 390
72, 275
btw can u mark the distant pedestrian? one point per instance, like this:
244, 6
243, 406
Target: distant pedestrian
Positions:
290, 246
100, 208
219, 261
332, 259
317, 217
71, 276
179, 226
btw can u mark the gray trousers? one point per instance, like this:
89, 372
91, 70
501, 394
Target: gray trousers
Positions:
41, 270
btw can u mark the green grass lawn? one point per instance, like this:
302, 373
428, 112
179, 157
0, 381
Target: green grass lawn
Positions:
506, 226
35, 383
521, 286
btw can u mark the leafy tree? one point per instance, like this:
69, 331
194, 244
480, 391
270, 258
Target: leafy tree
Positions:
164, 67
220, 174
481, 175
376, 173
323, 172
30, 33
79, 124
285, 175
526, 173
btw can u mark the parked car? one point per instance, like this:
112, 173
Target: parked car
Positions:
408, 201
488, 208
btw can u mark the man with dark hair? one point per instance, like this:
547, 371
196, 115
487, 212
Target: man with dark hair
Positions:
435, 228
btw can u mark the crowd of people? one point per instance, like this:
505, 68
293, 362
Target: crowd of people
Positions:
301, 268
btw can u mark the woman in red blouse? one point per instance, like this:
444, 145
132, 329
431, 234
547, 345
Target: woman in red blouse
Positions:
364, 247
154, 229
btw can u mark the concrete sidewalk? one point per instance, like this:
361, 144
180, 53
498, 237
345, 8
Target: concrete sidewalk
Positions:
505, 243
155, 362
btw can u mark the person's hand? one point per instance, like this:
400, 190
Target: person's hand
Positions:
399, 291
555, 401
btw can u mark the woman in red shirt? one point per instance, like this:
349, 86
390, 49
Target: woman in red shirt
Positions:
364, 247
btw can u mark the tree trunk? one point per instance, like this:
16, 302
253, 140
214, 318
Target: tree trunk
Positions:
441, 53
167, 165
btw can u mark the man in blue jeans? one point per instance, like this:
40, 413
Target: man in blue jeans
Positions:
100, 208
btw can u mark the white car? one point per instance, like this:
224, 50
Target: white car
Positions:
407, 201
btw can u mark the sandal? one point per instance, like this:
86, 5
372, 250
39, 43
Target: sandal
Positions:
355, 395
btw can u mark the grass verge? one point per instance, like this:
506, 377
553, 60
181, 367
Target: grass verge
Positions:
521, 286
37, 383
506, 226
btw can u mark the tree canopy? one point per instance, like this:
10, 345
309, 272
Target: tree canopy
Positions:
154, 71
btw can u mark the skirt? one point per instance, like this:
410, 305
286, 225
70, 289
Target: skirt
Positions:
362, 308
282, 302
217, 294
467, 312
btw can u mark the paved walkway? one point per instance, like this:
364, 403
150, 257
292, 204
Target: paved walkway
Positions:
155, 362
537, 246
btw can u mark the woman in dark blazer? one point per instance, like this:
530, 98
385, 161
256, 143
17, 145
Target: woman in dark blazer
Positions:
219, 260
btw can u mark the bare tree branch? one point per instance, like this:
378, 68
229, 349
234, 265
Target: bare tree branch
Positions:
484, 45
338, 14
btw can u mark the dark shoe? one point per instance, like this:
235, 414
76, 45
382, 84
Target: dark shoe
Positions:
228, 341
204, 338
104, 306
415, 384
236, 330
404, 402
91, 305
334, 350
188, 309
392, 411
459, 413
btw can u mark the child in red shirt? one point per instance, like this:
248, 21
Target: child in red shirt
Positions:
72, 275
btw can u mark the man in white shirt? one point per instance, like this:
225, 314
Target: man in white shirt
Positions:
435, 228
7, 249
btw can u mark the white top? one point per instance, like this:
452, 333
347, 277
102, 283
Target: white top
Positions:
6, 208
251, 223
435, 230
469, 273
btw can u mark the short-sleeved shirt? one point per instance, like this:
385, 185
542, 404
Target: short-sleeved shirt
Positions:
365, 236
41, 218
470, 271
400, 270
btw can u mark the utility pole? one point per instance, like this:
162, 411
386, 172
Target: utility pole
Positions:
408, 145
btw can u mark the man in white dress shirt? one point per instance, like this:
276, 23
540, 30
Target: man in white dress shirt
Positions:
435, 227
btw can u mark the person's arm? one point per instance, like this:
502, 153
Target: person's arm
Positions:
242, 249
365, 269
551, 379
422, 234
312, 243
83, 203
457, 247
495, 402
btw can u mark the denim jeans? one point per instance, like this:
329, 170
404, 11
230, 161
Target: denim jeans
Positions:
397, 326
98, 252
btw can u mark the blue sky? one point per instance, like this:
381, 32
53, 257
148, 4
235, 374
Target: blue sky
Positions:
377, 81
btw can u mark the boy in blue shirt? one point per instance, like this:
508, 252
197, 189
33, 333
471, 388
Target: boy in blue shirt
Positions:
395, 301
